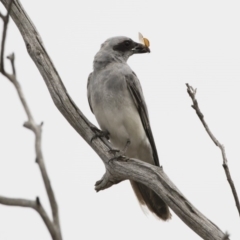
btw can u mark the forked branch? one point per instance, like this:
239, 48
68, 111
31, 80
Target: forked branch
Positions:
36, 205
53, 227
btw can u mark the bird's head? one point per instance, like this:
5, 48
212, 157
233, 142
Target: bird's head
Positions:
123, 47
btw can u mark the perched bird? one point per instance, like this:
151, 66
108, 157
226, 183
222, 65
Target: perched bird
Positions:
115, 97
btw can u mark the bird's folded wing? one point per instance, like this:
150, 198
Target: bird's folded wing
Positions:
135, 90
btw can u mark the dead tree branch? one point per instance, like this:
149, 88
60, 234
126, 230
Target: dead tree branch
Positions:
4, 35
116, 170
53, 227
192, 93
36, 205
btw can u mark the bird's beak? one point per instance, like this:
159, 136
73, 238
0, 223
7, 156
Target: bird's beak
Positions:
140, 48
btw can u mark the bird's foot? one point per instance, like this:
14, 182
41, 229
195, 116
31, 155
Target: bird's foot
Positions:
99, 133
121, 154
119, 157
114, 151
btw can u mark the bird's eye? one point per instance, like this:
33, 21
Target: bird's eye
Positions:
127, 43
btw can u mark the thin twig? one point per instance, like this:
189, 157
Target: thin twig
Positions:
11, 57
36, 205
192, 93
4, 34
37, 130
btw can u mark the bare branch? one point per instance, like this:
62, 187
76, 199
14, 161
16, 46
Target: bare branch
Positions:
4, 34
36, 205
192, 93
1, 15
13, 78
151, 176
106, 181
19, 202
11, 57
37, 130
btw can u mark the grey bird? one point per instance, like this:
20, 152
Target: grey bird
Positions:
116, 99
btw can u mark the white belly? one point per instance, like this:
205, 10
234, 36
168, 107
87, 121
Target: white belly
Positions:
123, 123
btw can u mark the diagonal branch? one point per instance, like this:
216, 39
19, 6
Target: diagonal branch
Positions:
151, 176
192, 93
37, 130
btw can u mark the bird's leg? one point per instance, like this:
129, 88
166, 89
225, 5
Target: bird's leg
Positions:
99, 133
121, 152
126, 147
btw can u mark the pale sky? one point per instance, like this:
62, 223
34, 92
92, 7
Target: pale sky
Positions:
195, 42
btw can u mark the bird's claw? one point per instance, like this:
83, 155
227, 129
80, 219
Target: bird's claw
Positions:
99, 133
119, 157
121, 154
114, 151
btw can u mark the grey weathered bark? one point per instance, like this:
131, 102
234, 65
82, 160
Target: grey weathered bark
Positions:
116, 171
53, 226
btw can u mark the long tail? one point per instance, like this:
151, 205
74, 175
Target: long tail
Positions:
149, 198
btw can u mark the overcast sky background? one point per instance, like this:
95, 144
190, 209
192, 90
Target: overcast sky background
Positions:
195, 42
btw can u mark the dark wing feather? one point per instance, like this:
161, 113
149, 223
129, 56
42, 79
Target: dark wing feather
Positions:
136, 93
89, 101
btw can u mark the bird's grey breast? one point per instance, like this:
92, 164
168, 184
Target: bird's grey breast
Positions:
108, 88
113, 105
